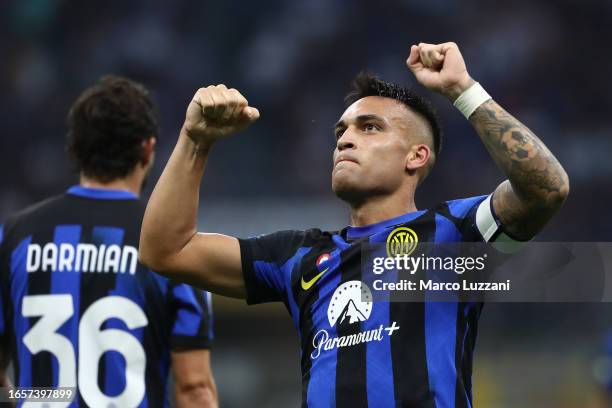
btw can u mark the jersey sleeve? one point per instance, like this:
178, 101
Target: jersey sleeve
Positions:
266, 267
192, 326
480, 223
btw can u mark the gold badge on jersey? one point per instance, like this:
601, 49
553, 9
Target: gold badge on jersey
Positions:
401, 241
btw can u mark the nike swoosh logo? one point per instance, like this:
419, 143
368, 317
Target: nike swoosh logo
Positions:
308, 285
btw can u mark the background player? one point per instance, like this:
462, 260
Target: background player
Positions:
77, 307
387, 141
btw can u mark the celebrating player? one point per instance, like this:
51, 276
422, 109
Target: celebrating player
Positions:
356, 352
78, 310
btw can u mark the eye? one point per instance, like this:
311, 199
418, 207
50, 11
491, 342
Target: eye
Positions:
339, 132
368, 127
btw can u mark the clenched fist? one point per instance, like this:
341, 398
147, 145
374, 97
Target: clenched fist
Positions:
440, 68
216, 112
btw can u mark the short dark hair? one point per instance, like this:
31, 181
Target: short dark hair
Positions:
368, 84
107, 125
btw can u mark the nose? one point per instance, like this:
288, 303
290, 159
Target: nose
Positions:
346, 141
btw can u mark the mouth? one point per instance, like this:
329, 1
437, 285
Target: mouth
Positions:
345, 159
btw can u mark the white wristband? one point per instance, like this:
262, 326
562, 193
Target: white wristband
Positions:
471, 99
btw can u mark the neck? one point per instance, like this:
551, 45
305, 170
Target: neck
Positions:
377, 209
131, 183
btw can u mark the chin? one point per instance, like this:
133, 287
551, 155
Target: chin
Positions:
346, 189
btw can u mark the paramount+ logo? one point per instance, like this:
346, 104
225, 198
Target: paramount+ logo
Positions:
401, 241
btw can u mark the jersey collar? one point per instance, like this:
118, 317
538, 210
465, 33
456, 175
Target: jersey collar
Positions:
368, 230
101, 193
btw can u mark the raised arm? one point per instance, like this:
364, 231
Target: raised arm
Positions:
169, 241
537, 184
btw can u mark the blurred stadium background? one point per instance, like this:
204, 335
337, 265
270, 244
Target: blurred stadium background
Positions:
548, 62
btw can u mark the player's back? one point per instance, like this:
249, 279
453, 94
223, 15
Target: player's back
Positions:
78, 308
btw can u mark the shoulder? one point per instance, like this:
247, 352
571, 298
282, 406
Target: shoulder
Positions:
282, 245
46, 205
70, 209
289, 237
280, 241
31, 216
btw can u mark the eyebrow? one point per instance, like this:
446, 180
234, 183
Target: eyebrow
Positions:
360, 119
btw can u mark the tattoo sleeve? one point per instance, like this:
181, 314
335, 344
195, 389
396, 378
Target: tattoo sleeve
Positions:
537, 185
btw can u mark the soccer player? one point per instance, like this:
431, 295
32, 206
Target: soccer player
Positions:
77, 309
356, 352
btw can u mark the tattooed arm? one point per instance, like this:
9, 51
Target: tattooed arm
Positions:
537, 185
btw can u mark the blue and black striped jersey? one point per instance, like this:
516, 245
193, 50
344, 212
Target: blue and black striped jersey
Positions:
78, 310
361, 353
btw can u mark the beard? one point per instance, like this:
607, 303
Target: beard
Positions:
349, 189
355, 189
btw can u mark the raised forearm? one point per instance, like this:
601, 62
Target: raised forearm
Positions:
170, 220
536, 176
537, 184
169, 242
